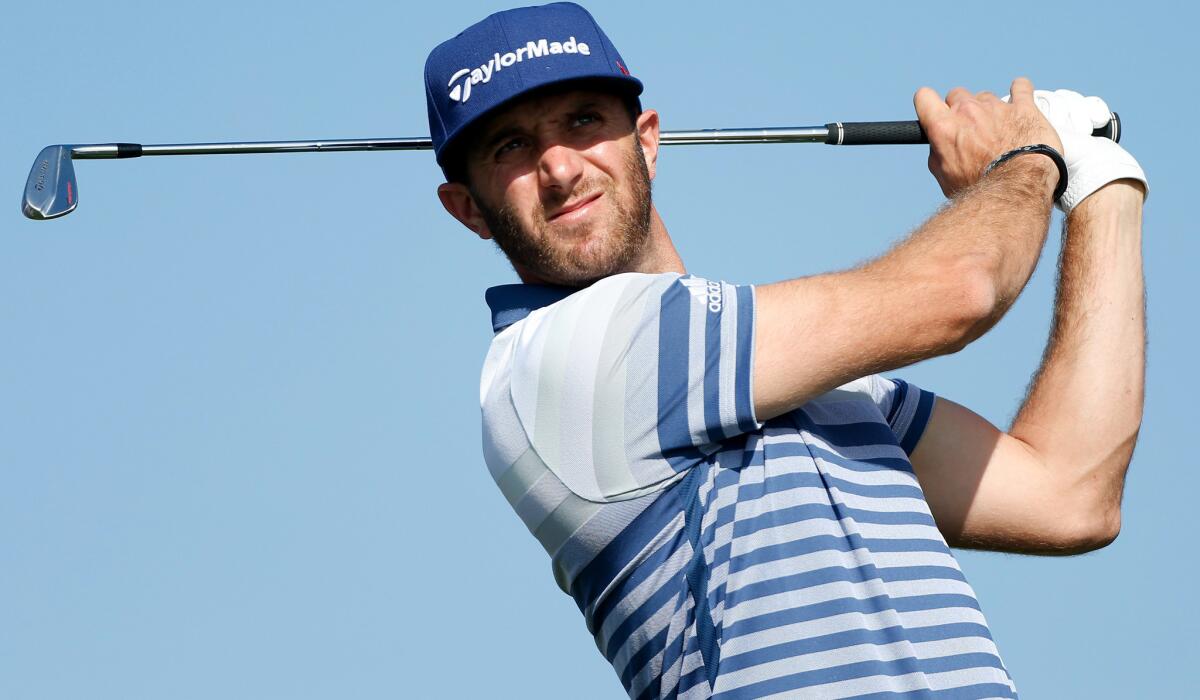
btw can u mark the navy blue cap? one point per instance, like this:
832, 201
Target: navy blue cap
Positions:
509, 54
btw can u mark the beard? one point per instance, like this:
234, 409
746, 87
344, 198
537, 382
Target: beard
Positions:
570, 257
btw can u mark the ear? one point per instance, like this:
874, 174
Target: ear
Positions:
647, 133
457, 200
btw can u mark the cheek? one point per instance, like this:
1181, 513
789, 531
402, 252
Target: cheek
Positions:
608, 156
518, 193
613, 158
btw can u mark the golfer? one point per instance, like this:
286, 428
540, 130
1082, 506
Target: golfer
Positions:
740, 505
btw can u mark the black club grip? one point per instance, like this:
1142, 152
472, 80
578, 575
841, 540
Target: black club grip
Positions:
874, 133
888, 133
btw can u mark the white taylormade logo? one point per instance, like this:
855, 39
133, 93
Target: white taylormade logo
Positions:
462, 80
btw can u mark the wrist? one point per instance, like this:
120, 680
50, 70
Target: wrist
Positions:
1126, 191
1049, 170
1126, 194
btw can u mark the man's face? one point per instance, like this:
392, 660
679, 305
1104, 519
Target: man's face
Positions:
561, 182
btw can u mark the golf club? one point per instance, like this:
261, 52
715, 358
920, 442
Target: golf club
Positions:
51, 190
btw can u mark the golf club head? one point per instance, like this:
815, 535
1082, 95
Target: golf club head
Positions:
51, 191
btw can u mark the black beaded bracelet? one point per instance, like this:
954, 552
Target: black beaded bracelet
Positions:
1044, 150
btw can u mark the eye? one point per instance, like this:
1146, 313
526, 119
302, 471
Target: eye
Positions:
510, 146
585, 119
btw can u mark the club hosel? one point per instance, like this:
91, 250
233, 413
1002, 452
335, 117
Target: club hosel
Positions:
107, 150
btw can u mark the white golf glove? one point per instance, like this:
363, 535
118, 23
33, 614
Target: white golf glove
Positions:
1092, 161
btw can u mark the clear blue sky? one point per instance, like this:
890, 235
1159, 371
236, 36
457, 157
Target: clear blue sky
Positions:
239, 440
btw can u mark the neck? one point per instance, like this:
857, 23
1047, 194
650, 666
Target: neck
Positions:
660, 255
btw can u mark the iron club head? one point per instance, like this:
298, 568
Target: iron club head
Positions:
51, 191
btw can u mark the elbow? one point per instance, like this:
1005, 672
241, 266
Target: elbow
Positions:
972, 303
1094, 502
1100, 532
1110, 529
1089, 533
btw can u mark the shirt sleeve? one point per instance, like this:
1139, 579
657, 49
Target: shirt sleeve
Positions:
621, 387
905, 406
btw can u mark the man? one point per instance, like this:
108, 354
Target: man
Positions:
739, 505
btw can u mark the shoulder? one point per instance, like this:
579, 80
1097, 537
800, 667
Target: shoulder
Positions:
565, 342
609, 312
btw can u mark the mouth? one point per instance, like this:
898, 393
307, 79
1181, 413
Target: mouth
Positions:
577, 209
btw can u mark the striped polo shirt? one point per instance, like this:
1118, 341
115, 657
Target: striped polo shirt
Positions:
713, 554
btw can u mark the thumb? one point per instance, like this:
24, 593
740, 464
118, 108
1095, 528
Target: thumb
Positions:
1075, 112
1098, 110
1021, 91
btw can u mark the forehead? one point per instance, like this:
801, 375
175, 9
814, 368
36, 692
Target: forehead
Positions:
547, 105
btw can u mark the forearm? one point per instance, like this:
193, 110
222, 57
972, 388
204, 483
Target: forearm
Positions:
930, 295
939, 289
1084, 407
994, 231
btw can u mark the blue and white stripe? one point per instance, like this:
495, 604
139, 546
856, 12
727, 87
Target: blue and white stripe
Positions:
712, 555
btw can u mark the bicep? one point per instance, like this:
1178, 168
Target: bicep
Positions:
987, 489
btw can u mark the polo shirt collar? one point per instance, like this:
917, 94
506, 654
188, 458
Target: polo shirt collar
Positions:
512, 302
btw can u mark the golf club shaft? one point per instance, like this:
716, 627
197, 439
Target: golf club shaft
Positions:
51, 190
813, 134
836, 133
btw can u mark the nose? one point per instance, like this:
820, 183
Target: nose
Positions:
560, 168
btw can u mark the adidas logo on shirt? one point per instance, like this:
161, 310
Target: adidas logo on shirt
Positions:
705, 290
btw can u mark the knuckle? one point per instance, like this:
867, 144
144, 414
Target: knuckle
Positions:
970, 109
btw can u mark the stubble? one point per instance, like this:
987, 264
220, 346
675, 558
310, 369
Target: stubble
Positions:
557, 257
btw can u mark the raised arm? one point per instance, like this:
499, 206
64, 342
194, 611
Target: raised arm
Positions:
1053, 483
938, 290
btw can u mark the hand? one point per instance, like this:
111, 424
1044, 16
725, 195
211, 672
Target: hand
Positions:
1092, 161
967, 132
